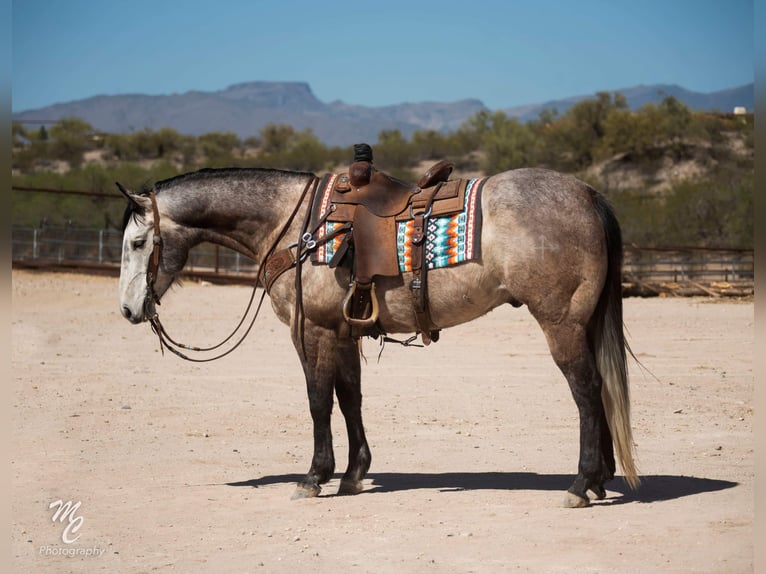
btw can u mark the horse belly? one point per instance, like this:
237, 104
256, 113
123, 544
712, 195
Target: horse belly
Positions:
456, 295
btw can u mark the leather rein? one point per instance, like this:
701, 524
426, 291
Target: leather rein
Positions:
152, 271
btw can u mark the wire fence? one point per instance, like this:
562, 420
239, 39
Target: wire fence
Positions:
102, 249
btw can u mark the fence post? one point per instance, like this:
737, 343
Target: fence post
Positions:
35, 249
61, 246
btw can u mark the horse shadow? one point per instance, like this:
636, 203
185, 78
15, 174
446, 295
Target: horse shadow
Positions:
653, 488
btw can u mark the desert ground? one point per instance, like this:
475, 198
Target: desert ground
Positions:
182, 467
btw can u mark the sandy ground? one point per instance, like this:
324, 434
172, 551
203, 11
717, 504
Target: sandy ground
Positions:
183, 467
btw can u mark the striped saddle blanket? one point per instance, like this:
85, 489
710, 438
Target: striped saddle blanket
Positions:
449, 239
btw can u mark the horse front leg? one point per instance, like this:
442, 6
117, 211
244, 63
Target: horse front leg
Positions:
319, 369
349, 392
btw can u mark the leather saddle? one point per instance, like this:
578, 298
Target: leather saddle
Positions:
372, 203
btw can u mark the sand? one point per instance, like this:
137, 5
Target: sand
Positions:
182, 467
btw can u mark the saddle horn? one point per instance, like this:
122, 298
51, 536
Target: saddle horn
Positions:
360, 171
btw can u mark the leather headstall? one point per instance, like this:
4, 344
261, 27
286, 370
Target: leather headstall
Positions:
153, 267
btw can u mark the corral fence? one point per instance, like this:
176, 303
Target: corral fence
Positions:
688, 271
101, 250
646, 272
682, 264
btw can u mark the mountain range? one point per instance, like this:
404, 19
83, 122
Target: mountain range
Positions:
247, 107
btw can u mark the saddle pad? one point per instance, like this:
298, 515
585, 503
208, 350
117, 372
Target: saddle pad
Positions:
449, 240
322, 203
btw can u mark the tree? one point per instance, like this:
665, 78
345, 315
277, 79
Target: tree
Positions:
218, 147
393, 154
70, 140
628, 132
711, 213
470, 134
507, 143
306, 153
583, 126
276, 138
430, 144
542, 130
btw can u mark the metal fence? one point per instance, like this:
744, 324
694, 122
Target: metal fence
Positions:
64, 244
72, 247
69, 246
688, 264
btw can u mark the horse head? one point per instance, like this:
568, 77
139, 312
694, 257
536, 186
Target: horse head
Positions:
145, 271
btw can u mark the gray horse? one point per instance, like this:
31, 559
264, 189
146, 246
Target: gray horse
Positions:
548, 241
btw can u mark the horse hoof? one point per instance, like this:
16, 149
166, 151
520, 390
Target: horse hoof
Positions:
574, 501
306, 492
348, 487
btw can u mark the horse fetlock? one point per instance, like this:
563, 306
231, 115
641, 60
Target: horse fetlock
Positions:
599, 491
364, 460
577, 495
320, 473
349, 486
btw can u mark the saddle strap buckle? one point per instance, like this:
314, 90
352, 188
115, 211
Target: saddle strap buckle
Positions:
425, 214
309, 241
350, 300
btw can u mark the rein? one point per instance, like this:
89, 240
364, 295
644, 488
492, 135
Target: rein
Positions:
166, 341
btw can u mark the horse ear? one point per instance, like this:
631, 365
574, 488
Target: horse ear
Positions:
140, 201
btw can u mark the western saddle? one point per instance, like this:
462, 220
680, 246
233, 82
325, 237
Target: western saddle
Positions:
370, 204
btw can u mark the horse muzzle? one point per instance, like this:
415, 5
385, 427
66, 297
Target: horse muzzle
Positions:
140, 315
131, 316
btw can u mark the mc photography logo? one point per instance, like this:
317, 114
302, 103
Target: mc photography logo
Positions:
67, 514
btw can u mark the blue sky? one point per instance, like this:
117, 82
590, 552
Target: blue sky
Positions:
505, 53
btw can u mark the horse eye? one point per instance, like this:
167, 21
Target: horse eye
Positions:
139, 243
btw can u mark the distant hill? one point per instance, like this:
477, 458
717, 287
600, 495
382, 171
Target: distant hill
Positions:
246, 108
721, 101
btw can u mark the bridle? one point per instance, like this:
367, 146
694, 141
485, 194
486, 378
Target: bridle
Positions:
153, 267
152, 271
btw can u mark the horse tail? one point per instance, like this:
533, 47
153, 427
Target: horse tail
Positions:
607, 338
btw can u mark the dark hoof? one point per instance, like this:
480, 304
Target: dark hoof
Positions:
574, 501
348, 487
302, 491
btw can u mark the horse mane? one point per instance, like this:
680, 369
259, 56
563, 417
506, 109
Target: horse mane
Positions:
215, 173
132, 211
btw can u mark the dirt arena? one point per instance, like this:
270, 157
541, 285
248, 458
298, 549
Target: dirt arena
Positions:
182, 467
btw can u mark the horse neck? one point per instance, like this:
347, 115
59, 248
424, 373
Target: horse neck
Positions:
243, 210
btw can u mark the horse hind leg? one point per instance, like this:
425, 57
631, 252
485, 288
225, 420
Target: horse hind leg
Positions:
574, 356
348, 391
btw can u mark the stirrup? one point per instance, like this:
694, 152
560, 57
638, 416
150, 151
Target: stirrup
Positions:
348, 302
